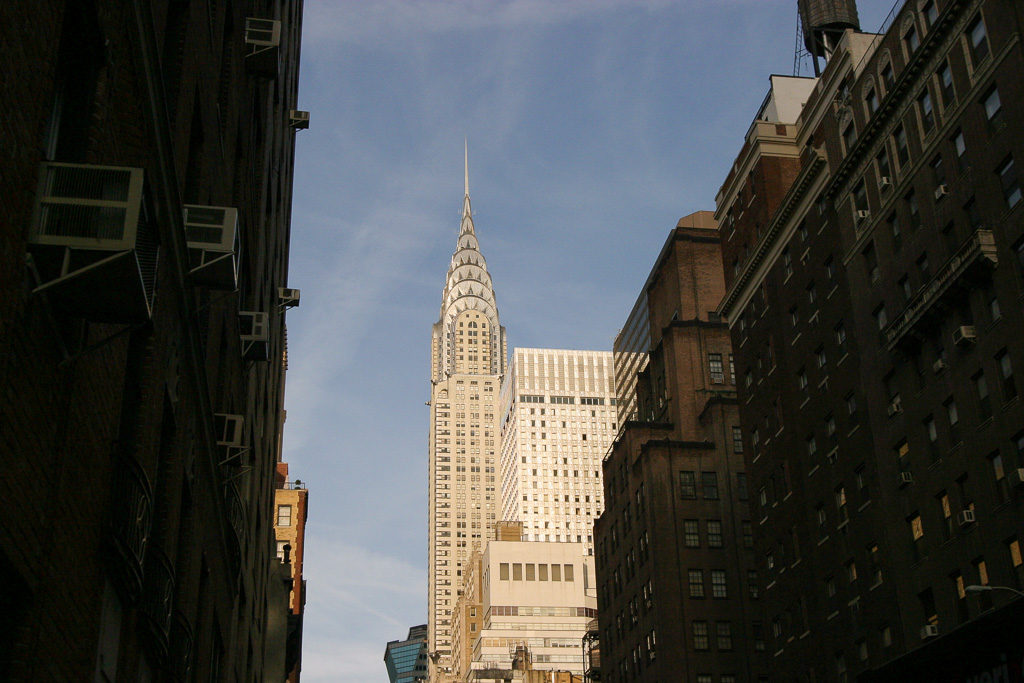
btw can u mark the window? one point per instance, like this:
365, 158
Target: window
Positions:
999, 475
1006, 374
984, 400
993, 105
737, 439
841, 337
916, 535
732, 369
696, 577
849, 137
801, 380
911, 40
933, 437
913, 209
881, 320
871, 262
884, 170
899, 137
821, 357
812, 446
716, 369
748, 534
871, 100
1016, 560
700, 638
960, 146
977, 41
723, 630
887, 75
753, 587
945, 77
953, 416
503, 571
718, 585
714, 533
787, 262
567, 572
284, 515
924, 103
1008, 179
709, 483
280, 549
860, 201
687, 485
691, 533
930, 12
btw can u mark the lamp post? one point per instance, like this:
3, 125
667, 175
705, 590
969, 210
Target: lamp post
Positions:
984, 589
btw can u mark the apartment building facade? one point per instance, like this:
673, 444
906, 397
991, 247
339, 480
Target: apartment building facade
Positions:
877, 333
678, 591
142, 347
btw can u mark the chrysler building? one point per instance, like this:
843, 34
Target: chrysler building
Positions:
467, 362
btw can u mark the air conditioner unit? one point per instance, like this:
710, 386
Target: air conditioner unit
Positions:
905, 479
938, 366
287, 298
93, 246
965, 517
929, 631
212, 236
263, 42
1016, 477
863, 214
254, 329
895, 407
941, 191
964, 335
885, 182
229, 429
299, 120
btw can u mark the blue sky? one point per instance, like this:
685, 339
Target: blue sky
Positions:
593, 125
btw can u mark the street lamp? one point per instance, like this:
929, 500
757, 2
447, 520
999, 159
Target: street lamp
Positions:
984, 589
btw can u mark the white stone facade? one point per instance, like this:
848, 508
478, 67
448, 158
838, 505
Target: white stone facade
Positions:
558, 413
541, 595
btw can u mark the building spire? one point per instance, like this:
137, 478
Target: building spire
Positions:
466, 149
467, 210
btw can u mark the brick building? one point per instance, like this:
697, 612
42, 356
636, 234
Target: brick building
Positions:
147, 165
877, 326
677, 585
291, 510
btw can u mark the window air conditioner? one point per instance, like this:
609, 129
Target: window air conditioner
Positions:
93, 247
212, 236
964, 335
895, 407
905, 479
929, 631
298, 119
254, 329
287, 298
965, 517
863, 214
263, 41
229, 429
938, 366
941, 191
885, 182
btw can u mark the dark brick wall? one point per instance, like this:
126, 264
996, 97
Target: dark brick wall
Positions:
85, 402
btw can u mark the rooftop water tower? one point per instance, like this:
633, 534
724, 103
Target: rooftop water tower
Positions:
823, 23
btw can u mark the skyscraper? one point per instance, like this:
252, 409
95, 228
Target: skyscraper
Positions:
558, 421
467, 362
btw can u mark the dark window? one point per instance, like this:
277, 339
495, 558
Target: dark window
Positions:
924, 103
709, 483
691, 533
945, 76
977, 40
899, 137
687, 485
714, 533
887, 76
1007, 173
871, 100
984, 399
737, 439
992, 103
1006, 375
912, 40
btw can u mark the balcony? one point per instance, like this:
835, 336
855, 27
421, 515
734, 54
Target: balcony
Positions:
130, 519
975, 257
